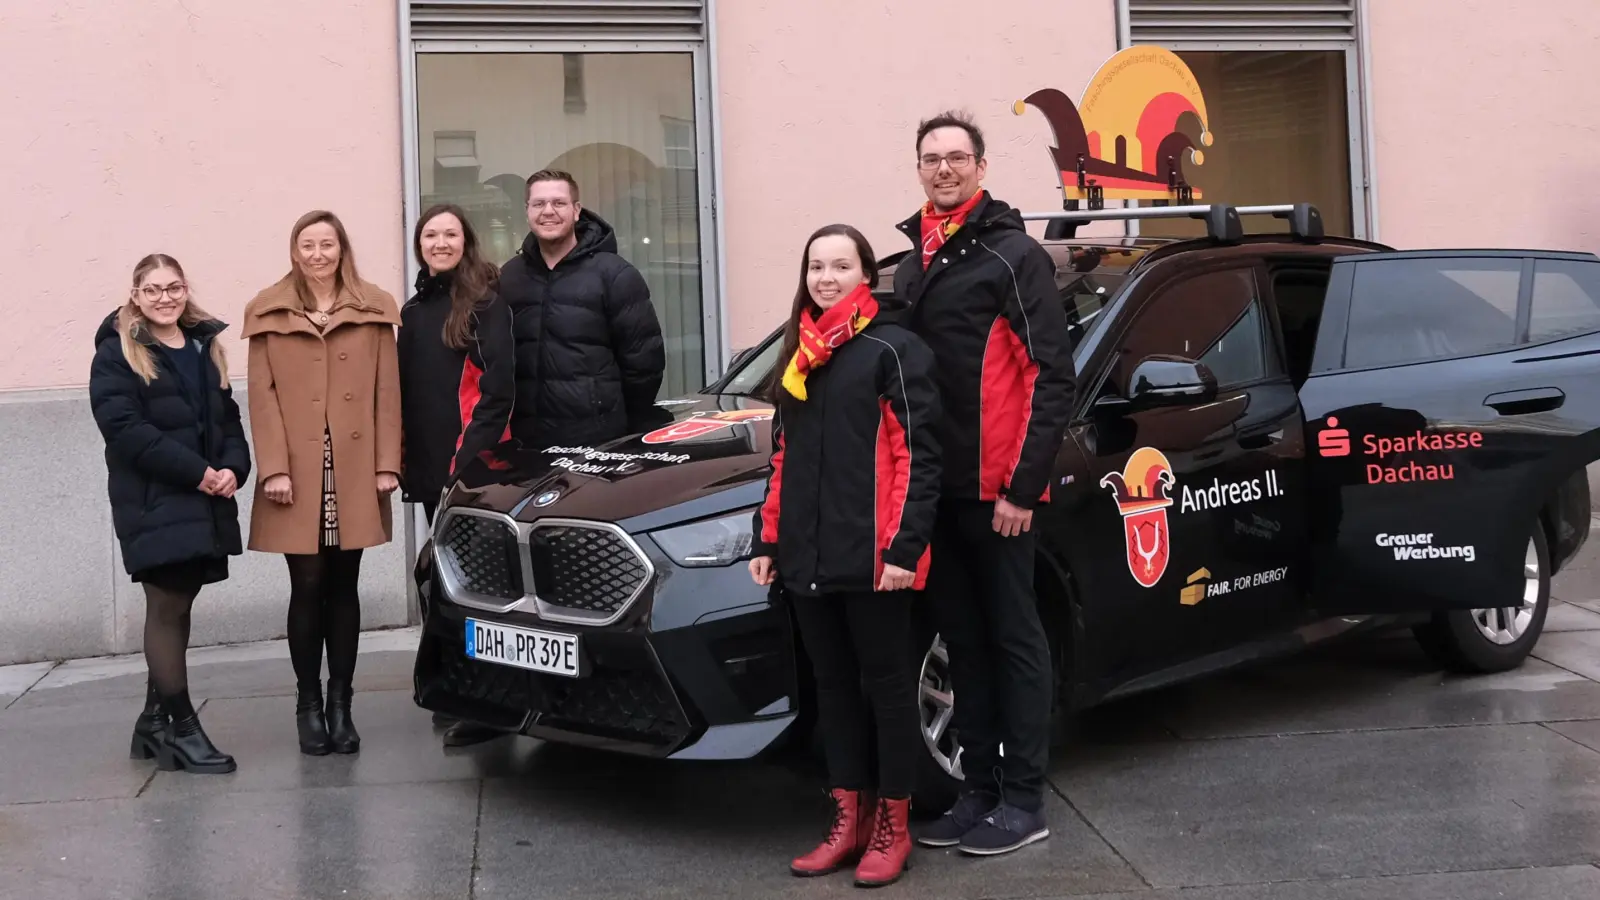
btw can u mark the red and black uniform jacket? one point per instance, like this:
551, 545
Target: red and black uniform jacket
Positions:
454, 404
855, 467
987, 305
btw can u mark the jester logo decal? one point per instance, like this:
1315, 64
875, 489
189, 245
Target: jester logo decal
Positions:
1143, 490
700, 425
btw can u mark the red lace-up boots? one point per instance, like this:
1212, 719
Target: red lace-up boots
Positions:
888, 850
847, 838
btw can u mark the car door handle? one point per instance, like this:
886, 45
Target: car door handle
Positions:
1260, 439
1525, 402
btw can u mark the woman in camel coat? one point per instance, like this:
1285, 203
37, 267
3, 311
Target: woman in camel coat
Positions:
324, 391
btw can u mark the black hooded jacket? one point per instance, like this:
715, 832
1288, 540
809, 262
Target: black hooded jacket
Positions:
988, 307
160, 439
454, 404
590, 355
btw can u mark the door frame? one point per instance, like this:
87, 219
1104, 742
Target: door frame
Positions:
715, 339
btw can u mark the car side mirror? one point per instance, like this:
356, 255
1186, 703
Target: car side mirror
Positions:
1163, 381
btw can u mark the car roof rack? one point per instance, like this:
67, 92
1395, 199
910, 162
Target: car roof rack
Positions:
1222, 219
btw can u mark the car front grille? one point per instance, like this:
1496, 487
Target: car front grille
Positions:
590, 570
634, 705
485, 556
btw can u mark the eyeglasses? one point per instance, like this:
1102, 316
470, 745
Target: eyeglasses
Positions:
557, 205
175, 290
957, 160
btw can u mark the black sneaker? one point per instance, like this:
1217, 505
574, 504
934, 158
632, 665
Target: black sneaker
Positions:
966, 814
1005, 829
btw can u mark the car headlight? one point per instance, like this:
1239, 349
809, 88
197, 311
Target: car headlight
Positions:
713, 542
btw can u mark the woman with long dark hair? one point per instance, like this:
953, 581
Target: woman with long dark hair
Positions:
325, 413
458, 373
175, 455
844, 528
457, 357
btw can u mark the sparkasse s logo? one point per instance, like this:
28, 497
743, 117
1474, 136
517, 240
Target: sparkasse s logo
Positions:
1333, 440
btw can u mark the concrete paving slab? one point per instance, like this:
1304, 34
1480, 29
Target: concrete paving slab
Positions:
1577, 651
1343, 805
729, 831
1562, 883
1571, 617
398, 746
1586, 733
380, 671
1381, 683
16, 680
48, 755
395, 841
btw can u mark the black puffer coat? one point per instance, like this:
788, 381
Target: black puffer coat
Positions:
454, 404
160, 439
590, 356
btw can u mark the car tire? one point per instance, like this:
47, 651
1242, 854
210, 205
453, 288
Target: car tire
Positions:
936, 785
1480, 641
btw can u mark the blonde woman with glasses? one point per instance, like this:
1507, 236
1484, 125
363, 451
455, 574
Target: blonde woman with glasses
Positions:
175, 455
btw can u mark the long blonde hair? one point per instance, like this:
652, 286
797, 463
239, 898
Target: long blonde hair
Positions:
131, 324
345, 277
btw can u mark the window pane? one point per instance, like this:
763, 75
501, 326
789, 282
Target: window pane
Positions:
1282, 136
1412, 310
622, 123
1566, 299
1236, 357
1187, 319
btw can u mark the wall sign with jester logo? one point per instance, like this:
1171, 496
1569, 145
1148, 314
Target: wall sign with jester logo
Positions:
1143, 490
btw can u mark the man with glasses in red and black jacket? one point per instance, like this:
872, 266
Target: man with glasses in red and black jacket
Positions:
982, 294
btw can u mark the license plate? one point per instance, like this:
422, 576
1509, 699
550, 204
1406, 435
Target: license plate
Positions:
524, 648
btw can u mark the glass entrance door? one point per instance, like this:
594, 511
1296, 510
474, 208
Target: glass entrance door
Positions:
624, 125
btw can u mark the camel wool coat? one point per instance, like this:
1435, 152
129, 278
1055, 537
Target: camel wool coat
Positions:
345, 377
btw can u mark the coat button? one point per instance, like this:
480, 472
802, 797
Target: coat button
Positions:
963, 253
348, 396
344, 356
944, 259
355, 434
813, 585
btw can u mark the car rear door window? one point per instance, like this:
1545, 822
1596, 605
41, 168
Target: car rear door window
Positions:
1566, 299
1414, 310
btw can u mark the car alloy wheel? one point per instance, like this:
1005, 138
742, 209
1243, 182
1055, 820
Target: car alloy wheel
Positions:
1505, 625
936, 702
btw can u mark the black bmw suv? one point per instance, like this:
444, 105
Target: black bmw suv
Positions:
1279, 438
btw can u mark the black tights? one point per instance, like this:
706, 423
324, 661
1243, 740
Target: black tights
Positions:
324, 608
166, 643
861, 643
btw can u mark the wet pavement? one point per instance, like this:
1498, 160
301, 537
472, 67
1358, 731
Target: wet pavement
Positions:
1351, 772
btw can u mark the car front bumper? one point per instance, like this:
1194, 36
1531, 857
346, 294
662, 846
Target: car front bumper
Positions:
701, 666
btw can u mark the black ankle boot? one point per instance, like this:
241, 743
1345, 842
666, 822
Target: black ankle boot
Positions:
311, 721
184, 745
341, 730
148, 727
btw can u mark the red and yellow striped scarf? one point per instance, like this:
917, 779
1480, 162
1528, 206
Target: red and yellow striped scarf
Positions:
820, 337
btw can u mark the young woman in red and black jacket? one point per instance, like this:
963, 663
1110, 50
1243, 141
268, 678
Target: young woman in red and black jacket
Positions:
844, 528
457, 358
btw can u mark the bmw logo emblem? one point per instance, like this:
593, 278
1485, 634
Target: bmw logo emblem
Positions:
546, 498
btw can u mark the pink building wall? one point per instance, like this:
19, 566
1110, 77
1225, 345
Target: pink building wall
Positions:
202, 129
1487, 123
820, 110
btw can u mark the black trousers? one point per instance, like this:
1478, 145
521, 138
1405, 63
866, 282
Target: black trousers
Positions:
860, 644
981, 587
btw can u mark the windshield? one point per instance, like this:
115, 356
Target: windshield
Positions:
1088, 279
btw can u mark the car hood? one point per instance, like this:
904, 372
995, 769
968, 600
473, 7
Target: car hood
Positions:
708, 454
